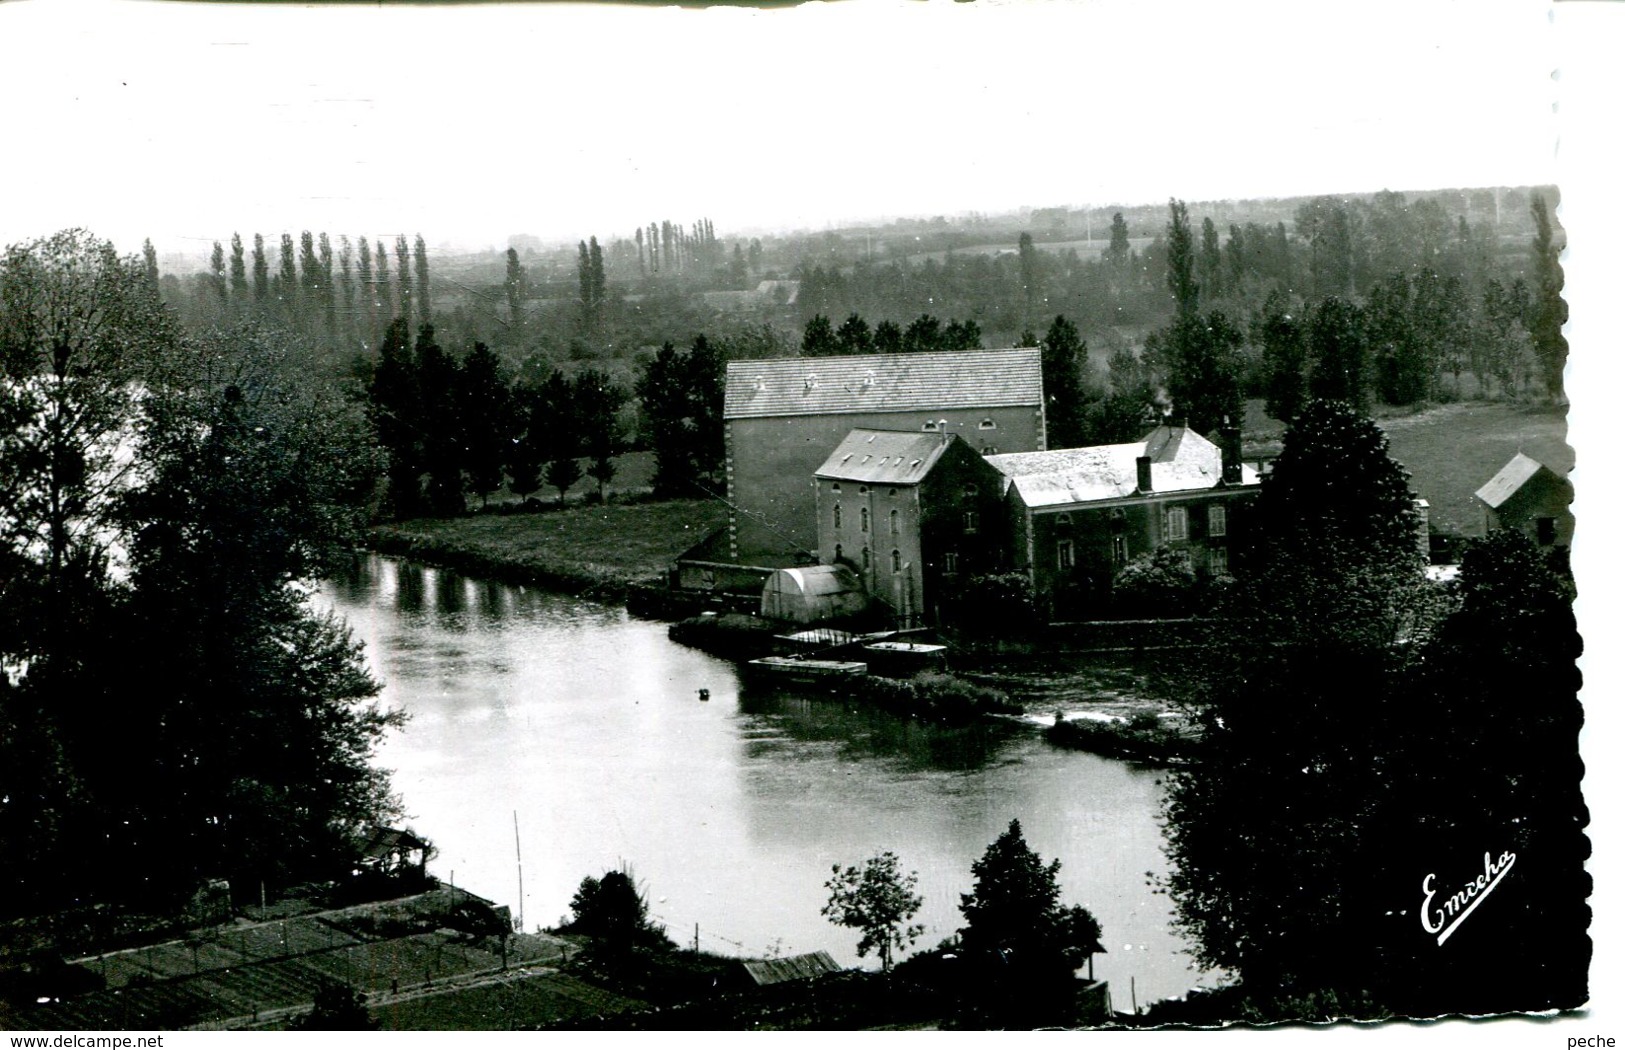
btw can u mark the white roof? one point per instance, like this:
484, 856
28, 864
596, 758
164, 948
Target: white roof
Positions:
1181, 461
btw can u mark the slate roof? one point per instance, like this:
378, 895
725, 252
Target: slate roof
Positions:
884, 457
1181, 461
807, 386
790, 968
1510, 478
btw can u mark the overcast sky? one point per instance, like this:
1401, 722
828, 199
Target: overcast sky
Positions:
467, 123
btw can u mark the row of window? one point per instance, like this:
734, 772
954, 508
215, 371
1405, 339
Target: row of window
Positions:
972, 521
1066, 556
987, 423
896, 559
1175, 522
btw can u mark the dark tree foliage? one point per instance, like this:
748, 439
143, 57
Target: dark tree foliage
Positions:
420, 265
1337, 348
1028, 263
1209, 266
262, 271
923, 334
1181, 261
616, 912
394, 397
877, 899
1130, 410
888, 338
514, 287
854, 337
708, 375
529, 449
1282, 341
662, 391
1116, 254
1067, 393
1020, 947
1201, 357
598, 403
818, 338
239, 273
961, 335
440, 424
485, 412
1549, 311
336, 1008
1282, 835
217, 272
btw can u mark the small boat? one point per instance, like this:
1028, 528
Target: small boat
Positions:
796, 669
904, 659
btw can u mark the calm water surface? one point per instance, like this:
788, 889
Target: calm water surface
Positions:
729, 812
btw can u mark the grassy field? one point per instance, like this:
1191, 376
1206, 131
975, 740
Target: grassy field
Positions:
1451, 450
596, 548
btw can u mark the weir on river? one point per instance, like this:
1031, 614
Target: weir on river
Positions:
729, 813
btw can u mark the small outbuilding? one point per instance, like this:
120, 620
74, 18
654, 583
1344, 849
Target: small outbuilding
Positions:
764, 972
812, 594
1531, 497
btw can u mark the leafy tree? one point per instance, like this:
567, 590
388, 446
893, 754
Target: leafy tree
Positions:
598, 403
1549, 311
514, 286
662, 391
1201, 356
1337, 346
961, 335
420, 264
878, 900
854, 337
1117, 249
287, 285
1181, 260
262, 278
528, 448
337, 1008
1209, 266
708, 377
888, 338
1159, 583
923, 334
1019, 944
407, 305
1130, 409
239, 274
1067, 396
1028, 264
818, 338
484, 408
1281, 339
367, 288
1267, 832
149, 257
613, 910
217, 273
394, 398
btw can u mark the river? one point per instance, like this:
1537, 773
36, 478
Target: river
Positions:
586, 723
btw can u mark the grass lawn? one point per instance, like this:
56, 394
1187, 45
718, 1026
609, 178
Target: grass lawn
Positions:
584, 546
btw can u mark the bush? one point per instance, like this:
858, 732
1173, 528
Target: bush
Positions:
1156, 585
995, 604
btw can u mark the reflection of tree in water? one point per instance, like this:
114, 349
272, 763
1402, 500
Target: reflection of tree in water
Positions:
409, 589
864, 731
450, 599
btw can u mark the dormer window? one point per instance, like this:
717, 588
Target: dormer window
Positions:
928, 425
987, 424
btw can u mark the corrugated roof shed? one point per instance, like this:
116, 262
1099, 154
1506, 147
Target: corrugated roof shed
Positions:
790, 968
807, 386
1509, 479
1181, 461
884, 457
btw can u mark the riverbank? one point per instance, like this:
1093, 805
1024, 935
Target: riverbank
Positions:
602, 550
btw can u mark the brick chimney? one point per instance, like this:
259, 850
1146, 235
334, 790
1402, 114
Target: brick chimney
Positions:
1142, 473
1230, 453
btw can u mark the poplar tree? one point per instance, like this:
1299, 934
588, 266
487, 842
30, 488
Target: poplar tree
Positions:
1549, 311
1181, 260
262, 271
239, 275
420, 262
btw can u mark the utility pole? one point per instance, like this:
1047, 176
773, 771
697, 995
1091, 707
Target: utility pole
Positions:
520, 862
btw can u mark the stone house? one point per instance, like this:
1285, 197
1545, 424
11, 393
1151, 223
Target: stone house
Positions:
1077, 516
1531, 497
912, 513
783, 416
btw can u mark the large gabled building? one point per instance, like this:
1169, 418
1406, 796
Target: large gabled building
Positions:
783, 416
912, 514
1077, 516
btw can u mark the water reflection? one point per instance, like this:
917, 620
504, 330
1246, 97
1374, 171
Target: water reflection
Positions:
585, 725
861, 731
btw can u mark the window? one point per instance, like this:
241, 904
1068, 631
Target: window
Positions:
866, 559
1119, 551
972, 521
987, 424
837, 552
1218, 561
1065, 555
950, 561
970, 491
1545, 531
990, 450
837, 515
1215, 520
1063, 520
863, 489
896, 561
928, 425
863, 519
835, 486
896, 527
1178, 526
